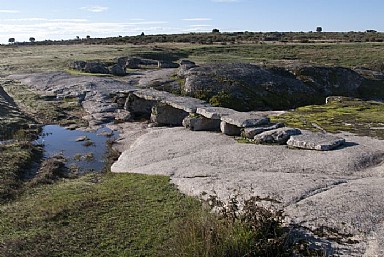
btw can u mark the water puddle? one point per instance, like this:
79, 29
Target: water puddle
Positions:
83, 150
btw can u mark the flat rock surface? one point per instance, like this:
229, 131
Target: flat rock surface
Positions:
187, 104
315, 141
341, 190
246, 119
214, 112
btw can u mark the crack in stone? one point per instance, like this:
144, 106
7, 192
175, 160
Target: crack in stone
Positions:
317, 191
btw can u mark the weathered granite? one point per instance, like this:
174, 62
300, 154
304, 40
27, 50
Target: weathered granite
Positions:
139, 107
253, 131
187, 104
246, 119
315, 141
95, 67
164, 114
201, 123
214, 112
337, 190
229, 129
276, 136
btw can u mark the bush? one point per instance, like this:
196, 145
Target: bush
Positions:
251, 231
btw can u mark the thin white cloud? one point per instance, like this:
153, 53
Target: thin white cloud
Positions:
95, 8
25, 19
44, 19
67, 28
9, 11
198, 19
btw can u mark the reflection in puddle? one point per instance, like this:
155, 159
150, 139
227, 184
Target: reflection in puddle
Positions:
82, 149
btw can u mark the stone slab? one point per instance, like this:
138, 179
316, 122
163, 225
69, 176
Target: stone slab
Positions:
215, 112
253, 131
201, 124
187, 104
246, 119
229, 129
315, 141
276, 136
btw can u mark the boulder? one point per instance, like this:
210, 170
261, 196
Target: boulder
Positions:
277, 136
315, 141
164, 114
78, 65
253, 131
117, 70
201, 123
95, 67
246, 119
229, 129
247, 87
133, 63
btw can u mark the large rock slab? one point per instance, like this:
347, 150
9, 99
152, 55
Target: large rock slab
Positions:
246, 119
187, 104
315, 141
337, 191
277, 136
215, 112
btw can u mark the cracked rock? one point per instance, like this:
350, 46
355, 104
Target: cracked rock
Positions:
277, 136
315, 141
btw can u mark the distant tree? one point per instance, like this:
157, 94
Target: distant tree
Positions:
11, 40
77, 37
215, 31
88, 36
142, 34
32, 39
319, 29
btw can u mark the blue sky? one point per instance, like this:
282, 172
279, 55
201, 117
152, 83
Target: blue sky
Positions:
66, 19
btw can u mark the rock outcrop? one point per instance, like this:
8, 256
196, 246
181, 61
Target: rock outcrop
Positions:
246, 87
95, 67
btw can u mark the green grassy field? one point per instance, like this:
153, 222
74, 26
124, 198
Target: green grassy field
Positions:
17, 59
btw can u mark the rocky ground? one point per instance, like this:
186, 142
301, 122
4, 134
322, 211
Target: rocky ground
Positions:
334, 197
